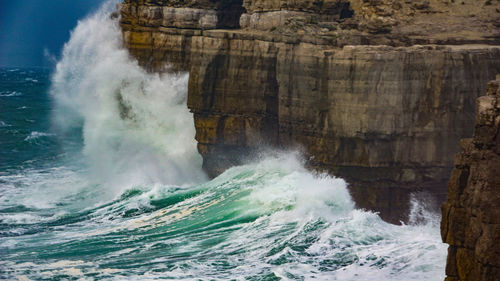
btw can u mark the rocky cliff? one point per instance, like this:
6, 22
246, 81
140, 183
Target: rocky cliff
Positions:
376, 91
471, 213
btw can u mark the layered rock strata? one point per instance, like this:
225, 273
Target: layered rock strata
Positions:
377, 92
471, 213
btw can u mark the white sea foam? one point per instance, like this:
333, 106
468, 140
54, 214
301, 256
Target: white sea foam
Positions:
40, 189
19, 218
306, 227
29, 79
36, 135
370, 248
10, 94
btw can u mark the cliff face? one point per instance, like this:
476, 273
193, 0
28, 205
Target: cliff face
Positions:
344, 81
471, 213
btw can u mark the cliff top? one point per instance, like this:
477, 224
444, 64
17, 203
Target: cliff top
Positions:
332, 22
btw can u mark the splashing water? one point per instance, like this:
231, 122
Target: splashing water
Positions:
134, 122
131, 202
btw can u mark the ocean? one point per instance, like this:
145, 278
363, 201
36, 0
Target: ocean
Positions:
100, 179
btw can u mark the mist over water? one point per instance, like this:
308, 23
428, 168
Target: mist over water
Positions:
134, 123
126, 199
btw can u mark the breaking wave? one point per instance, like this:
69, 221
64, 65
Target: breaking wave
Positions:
134, 203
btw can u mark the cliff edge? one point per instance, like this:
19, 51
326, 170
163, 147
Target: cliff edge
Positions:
375, 91
471, 213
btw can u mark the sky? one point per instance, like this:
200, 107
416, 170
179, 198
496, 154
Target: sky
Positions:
30, 28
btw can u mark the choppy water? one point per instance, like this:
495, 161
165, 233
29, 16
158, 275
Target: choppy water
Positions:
100, 180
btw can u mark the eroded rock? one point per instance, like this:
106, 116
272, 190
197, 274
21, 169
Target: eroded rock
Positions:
471, 213
377, 92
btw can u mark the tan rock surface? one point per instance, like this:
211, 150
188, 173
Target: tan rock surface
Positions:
343, 80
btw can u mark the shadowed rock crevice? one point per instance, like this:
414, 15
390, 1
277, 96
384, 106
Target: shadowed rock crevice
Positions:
229, 13
346, 12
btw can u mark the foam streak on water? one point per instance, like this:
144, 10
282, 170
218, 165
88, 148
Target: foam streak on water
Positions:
131, 202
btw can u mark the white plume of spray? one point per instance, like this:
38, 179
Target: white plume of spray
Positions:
137, 129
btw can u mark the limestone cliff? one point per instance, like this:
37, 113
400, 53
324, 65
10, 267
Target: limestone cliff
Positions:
375, 91
471, 213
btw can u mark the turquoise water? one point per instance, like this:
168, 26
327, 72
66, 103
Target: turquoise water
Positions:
100, 180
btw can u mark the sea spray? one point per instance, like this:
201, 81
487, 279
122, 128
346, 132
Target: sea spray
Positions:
136, 126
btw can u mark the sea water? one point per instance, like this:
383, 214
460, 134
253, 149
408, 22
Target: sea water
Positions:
100, 179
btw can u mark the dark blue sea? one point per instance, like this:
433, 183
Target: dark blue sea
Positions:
25, 137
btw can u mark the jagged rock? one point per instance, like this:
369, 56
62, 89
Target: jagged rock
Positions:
471, 213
